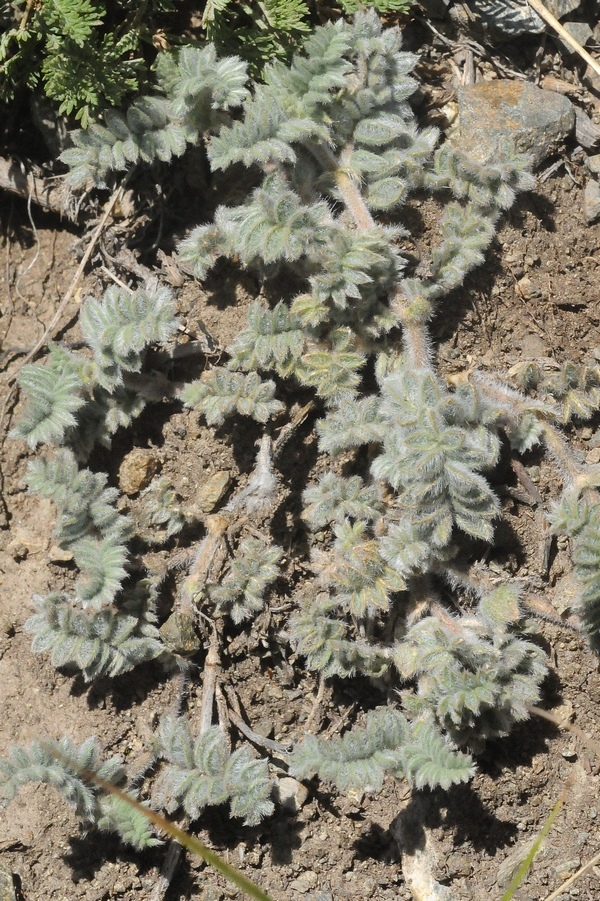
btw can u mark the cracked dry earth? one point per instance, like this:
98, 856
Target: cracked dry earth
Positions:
537, 297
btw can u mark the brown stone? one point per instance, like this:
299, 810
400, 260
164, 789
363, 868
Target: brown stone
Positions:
137, 469
537, 121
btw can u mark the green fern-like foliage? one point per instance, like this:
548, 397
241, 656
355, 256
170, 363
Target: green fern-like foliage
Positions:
88, 525
72, 51
337, 499
193, 90
120, 327
57, 764
432, 455
84, 503
163, 508
336, 151
257, 31
72, 400
355, 571
475, 676
273, 339
254, 568
109, 642
574, 388
220, 392
580, 519
55, 396
330, 645
99, 631
387, 743
201, 771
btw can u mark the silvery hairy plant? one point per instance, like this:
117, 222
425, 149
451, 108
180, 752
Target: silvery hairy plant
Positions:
336, 153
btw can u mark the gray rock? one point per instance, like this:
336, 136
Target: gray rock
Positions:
587, 133
459, 864
290, 794
591, 201
537, 121
511, 864
562, 8
304, 882
581, 31
593, 163
504, 20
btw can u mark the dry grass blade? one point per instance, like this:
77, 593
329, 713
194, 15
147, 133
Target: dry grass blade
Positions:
580, 872
179, 835
568, 727
523, 869
547, 16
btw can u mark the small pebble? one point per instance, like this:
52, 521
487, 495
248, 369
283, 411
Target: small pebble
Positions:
593, 163
58, 554
304, 882
137, 469
566, 867
591, 201
525, 287
291, 794
593, 456
213, 490
17, 550
459, 864
569, 753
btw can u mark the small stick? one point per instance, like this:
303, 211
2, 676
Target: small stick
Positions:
569, 727
289, 428
26, 185
580, 872
209, 682
116, 196
222, 712
539, 607
235, 715
547, 16
526, 482
315, 706
212, 666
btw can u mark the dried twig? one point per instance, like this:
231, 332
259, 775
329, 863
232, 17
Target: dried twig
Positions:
551, 20
316, 705
212, 665
569, 727
39, 190
580, 872
116, 196
235, 715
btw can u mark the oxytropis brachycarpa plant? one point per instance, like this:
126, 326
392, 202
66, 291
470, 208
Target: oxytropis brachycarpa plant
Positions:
340, 153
